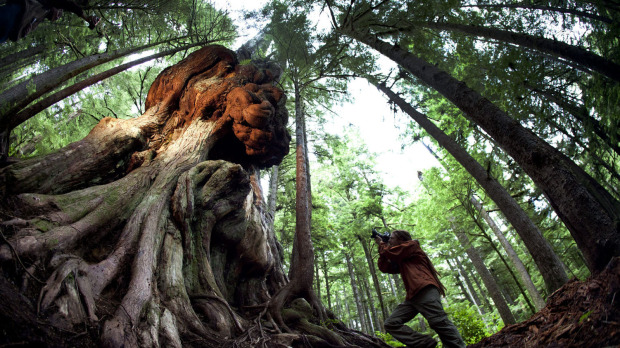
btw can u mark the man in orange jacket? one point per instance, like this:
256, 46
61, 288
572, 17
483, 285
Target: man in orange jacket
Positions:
403, 255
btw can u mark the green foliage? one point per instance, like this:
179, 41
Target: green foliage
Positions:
128, 24
468, 321
387, 338
584, 316
349, 195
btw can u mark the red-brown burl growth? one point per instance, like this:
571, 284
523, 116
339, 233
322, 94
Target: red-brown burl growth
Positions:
149, 229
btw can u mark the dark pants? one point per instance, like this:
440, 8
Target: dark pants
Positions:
428, 303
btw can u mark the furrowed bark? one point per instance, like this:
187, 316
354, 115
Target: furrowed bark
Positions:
590, 213
546, 259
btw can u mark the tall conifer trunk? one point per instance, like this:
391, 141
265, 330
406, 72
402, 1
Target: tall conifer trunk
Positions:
487, 278
547, 261
589, 212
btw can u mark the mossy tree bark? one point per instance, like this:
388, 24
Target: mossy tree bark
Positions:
152, 230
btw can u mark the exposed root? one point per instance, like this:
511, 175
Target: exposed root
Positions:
169, 331
276, 304
70, 275
173, 245
141, 286
102, 208
14, 253
234, 316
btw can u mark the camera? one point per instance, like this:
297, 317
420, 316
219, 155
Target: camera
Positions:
384, 237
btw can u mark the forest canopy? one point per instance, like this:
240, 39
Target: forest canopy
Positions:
168, 181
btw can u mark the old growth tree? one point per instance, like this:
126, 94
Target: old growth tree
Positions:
152, 228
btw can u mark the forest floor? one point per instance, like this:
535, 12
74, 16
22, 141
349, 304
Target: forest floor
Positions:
579, 314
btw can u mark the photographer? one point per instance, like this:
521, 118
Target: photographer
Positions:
403, 255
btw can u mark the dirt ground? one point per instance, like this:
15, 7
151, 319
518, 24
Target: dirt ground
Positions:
580, 314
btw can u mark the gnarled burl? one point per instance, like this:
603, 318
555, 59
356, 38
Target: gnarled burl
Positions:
149, 232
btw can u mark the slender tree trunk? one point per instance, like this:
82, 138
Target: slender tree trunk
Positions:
11, 120
399, 283
21, 95
467, 275
464, 290
470, 288
365, 301
375, 279
273, 193
352, 320
14, 61
494, 290
590, 213
546, 260
390, 280
356, 293
491, 243
327, 289
8, 73
377, 323
303, 252
539, 302
553, 47
318, 280
481, 290
301, 272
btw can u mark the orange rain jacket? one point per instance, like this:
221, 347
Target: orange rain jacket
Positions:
412, 263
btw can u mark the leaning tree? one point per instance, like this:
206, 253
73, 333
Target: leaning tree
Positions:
151, 230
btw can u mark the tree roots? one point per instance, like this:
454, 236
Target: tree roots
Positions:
146, 240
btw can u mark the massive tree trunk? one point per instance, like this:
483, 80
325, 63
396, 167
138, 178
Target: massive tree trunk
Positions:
151, 230
546, 259
590, 213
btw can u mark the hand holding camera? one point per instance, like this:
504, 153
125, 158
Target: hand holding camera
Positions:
385, 237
